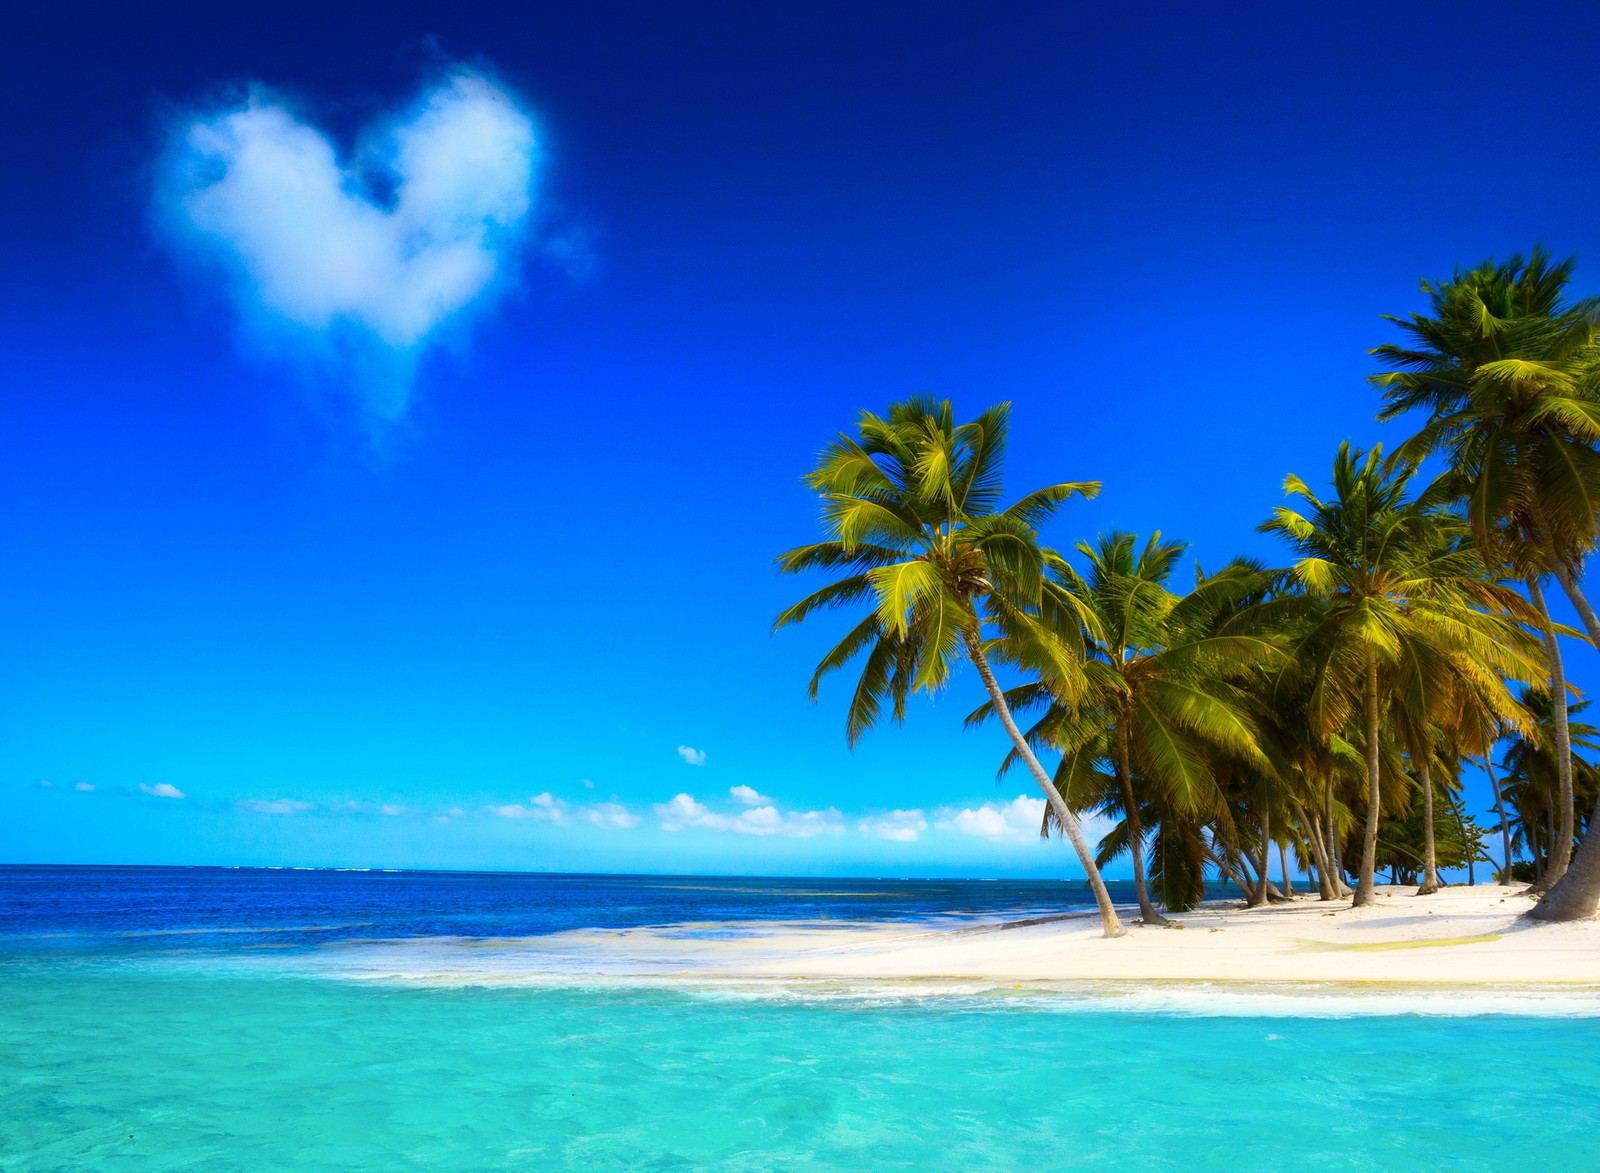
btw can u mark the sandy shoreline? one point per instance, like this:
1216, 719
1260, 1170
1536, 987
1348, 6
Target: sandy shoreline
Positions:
1465, 938
1461, 936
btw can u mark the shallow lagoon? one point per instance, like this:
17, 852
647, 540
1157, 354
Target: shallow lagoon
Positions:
157, 1020
116, 1065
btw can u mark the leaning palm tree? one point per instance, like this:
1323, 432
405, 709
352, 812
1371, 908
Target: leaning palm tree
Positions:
1399, 598
1160, 703
1505, 368
1156, 704
912, 509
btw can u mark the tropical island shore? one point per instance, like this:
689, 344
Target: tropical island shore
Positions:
1462, 936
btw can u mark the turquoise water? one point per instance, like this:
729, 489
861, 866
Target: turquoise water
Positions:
110, 1064
199, 1019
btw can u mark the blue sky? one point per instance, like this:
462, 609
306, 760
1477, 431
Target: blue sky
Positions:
450, 581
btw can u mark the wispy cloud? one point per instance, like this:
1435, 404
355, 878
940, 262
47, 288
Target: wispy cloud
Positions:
275, 806
684, 812
544, 807
612, 816
324, 266
694, 757
749, 796
46, 784
84, 787
547, 808
161, 790
1016, 820
898, 826
395, 811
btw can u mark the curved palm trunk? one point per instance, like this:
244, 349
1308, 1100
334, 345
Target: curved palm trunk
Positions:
1335, 847
1234, 875
1283, 865
1500, 809
1561, 841
1130, 812
1576, 895
1259, 895
1366, 887
1319, 853
1063, 813
1430, 863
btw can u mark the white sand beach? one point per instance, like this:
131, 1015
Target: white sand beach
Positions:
1461, 936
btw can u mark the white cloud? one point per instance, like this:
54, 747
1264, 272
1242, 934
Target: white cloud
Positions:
320, 263
684, 811
1018, 819
161, 790
546, 808
805, 824
588, 784
898, 826
749, 796
694, 757
85, 787
394, 811
613, 816
277, 806
45, 784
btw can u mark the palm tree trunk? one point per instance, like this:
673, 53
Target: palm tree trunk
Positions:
1319, 853
1064, 816
1500, 809
1283, 865
1576, 895
1130, 812
1335, 847
1231, 875
1430, 863
1259, 895
1561, 841
1366, 887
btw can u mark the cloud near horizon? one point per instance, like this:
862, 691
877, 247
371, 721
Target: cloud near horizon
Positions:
276, 806
896, 826
692, 756
320, 266
547, 808
684, 812
161, 790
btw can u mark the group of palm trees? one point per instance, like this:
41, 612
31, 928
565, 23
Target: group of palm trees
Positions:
1324, 709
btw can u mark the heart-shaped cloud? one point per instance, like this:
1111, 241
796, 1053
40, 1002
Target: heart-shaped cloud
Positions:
315, 258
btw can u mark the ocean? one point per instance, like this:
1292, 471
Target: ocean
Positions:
176, 1018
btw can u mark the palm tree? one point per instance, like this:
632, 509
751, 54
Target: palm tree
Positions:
1441, 706
912, 509
1531, 781
1505, 368
1155, 704
1398, 599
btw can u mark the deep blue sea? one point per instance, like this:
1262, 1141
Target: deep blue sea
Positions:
264, 1019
